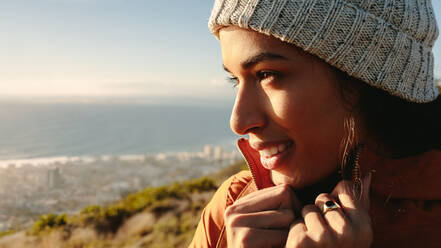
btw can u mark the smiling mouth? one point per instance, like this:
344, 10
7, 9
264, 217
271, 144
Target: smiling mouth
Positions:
275, 150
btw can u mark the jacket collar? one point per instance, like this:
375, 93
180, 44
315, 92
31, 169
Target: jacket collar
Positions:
416, 177
261, 176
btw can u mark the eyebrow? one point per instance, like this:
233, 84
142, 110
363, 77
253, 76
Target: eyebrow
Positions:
259, 58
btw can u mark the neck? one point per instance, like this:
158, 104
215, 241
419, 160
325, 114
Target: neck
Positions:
308, 194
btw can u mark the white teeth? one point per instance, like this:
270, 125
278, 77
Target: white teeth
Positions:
274, 150
266, 152
281, 147
269, 152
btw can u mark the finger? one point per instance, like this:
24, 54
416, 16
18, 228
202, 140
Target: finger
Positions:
354, 209
343, 192
270, 219
345, 189
277, 197
284, 190
335, 218
297, 227
315, 224
297, 236
248, 237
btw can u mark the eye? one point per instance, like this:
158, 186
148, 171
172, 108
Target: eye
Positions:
267, 75
233, 81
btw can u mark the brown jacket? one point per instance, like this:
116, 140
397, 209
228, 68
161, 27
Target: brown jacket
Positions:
405, 199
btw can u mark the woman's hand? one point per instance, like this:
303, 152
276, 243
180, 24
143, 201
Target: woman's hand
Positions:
262, 218
347, 226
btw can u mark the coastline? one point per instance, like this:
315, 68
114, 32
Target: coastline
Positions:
164, 216
68, 184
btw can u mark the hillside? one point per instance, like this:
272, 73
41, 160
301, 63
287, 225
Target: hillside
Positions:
163, 216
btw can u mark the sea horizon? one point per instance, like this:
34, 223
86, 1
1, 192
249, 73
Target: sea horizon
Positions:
35, 130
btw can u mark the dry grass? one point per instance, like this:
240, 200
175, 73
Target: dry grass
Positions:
138, 225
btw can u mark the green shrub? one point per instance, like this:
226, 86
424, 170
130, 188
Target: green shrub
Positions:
199, 185
143, 200
92, 209
49, 221
7, 232
109, 219
156, 199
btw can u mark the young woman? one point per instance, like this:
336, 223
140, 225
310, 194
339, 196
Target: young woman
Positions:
343, 117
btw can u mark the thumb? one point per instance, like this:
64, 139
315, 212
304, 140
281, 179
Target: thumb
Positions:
356, 208
344, 192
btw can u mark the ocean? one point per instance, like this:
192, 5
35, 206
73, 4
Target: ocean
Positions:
60, 158
32, 131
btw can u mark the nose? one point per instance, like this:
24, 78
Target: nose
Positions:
247, 115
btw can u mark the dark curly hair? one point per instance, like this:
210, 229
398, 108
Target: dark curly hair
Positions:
399, 128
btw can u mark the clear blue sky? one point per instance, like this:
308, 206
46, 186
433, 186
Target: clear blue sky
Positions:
114, 47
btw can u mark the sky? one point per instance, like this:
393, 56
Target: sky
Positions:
124, 48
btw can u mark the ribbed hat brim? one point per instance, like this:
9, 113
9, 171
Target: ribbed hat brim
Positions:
391, 51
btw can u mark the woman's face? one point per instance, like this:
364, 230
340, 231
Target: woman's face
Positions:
288, 104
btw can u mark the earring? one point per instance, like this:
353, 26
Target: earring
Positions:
350, 167
357, 186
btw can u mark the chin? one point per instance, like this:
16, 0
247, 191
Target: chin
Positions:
306, 186
296, 181
302, 179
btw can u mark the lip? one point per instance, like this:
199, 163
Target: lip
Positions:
277, 160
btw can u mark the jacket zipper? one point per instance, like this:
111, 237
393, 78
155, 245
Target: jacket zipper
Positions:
250, 163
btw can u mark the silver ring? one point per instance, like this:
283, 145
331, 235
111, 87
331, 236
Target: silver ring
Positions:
329, 206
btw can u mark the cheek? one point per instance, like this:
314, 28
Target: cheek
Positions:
295, 112
315, 119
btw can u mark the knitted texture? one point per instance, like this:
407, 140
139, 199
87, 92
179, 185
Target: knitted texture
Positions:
385, 43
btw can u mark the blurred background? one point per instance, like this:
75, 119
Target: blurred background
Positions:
86, 67
103, 98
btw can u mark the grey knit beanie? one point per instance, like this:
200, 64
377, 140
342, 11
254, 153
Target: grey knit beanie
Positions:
385, 43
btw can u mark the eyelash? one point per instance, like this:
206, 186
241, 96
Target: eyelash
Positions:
261, 75
233, 81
